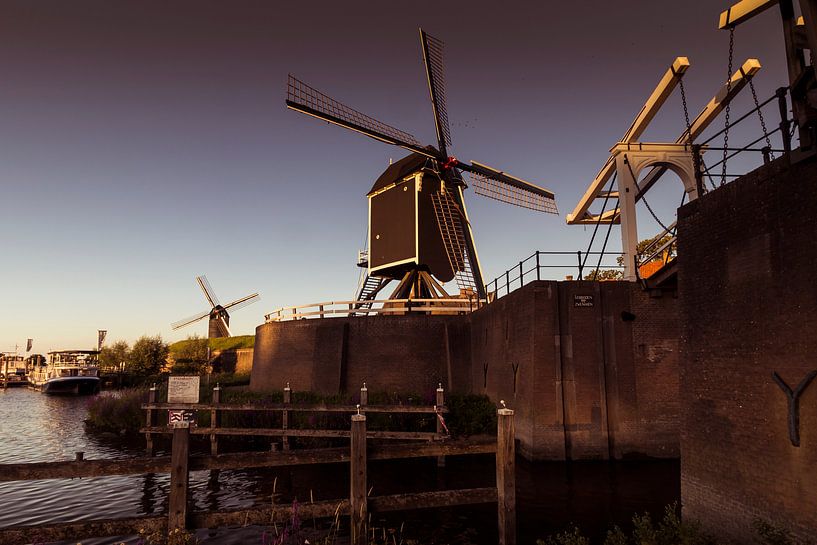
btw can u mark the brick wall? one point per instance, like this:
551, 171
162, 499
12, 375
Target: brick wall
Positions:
593, 381
748, 298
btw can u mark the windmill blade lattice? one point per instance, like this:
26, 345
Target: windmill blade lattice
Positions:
502, 191
190, 320
209, 293
452, 226
243, 302
433, 57
306, 99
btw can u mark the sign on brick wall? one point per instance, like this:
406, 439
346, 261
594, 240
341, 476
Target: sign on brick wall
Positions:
582, 300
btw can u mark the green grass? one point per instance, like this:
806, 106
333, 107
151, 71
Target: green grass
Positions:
223, 343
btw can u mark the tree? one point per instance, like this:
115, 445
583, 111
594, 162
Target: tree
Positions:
110, 357
190, 355
616, 274
148, 356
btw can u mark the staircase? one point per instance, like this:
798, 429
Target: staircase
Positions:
452, 229
368, 291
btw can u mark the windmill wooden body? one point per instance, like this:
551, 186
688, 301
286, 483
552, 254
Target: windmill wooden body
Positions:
419, 232
219, 324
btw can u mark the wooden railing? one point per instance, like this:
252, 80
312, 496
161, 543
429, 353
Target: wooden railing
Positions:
216, 409
361, 307
357, 506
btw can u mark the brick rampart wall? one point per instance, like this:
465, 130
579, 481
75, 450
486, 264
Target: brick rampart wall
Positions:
749, 308
587, 382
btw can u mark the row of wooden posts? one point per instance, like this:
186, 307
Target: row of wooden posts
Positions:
358, 505
216, 409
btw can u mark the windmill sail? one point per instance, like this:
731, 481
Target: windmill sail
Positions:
308, 100
433, 57
190, 320
451, 222
208, 290
497, 185
243, 302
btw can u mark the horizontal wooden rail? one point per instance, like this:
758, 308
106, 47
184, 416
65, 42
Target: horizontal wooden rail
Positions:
137, 466
290, 432
256, 515
295, 407
365, 307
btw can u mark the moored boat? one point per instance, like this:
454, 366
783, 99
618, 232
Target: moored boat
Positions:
12, 370
72, 372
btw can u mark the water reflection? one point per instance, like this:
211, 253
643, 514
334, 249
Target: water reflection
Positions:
35, 427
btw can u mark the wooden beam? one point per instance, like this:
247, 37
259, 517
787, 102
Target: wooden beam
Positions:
21, 535
139, 466
293, 407
743, 11
358, 508
662, 91
713, 108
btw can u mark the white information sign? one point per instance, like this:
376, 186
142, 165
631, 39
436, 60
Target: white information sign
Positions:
183, 389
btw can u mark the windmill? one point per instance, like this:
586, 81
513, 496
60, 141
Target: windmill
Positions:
219, 317
419, 230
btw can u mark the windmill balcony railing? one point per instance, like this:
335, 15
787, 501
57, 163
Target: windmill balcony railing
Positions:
369, 307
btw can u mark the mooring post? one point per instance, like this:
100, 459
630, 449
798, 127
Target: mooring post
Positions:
357, 493
505, 477
364, 395
179, 476
149, 420
215, 420
439, 407
285, 416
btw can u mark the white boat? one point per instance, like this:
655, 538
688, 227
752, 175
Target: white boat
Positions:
12, 370
67, 372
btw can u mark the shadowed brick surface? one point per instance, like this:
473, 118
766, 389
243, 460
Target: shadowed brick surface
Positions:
749, 307
586, 382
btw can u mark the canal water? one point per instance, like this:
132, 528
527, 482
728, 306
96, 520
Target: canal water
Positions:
550, 496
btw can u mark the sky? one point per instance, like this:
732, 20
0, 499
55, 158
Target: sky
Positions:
143, 142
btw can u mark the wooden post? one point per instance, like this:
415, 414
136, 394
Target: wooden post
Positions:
215, 420
285, 416
505, 477
364, 395
439, 406
357, 492
179, 476
149, 420
79, 456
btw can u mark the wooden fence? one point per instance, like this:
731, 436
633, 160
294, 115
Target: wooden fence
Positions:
366, 307
357, 506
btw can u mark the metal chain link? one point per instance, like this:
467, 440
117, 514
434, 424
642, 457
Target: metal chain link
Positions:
762, 121
686, 110
728, 104
635, 181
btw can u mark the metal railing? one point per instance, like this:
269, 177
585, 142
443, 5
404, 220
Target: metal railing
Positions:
534, 267
782, 134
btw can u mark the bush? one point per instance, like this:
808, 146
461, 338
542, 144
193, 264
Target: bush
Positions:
117, 413
471, 415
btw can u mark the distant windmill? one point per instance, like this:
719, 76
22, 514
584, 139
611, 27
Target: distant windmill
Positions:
418, 225
219, 318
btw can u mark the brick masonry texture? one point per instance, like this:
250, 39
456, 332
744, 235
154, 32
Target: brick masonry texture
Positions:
748, 307
587, 382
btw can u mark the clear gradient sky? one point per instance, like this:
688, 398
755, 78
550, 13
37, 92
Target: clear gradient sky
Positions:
145, 142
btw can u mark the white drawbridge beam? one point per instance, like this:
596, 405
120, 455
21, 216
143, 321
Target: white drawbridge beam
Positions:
662, 91
697, 126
